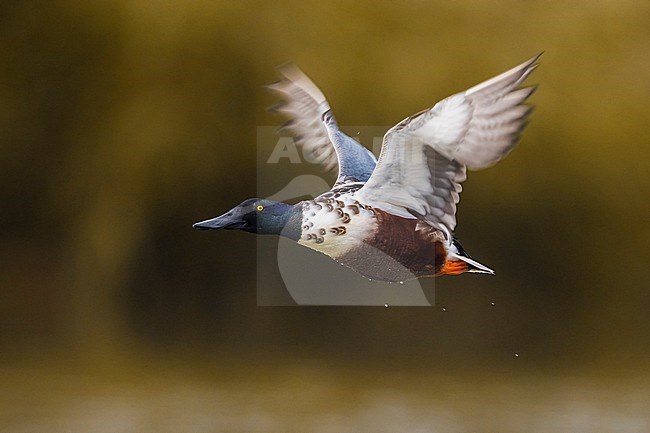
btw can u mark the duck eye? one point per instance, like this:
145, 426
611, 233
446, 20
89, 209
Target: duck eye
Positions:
259, 208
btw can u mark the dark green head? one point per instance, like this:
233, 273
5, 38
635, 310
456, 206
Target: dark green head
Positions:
259, 216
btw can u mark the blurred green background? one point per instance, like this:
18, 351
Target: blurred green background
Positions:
125, 121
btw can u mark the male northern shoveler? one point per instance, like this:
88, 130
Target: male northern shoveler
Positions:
391, 219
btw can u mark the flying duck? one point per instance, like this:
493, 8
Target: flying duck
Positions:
391, 219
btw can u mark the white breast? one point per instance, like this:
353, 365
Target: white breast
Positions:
335, 226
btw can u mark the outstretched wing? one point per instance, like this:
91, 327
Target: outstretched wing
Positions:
314, 128
424, 157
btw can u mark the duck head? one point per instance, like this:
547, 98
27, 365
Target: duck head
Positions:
259, 216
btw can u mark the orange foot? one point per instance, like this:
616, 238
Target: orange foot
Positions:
455, 267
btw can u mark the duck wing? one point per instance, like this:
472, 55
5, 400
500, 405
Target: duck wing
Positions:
424, 158
315, 130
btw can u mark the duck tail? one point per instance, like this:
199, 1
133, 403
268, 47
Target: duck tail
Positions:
458, 261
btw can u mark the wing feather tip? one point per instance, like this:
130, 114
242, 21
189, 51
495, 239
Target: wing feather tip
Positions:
290, 71
509, 79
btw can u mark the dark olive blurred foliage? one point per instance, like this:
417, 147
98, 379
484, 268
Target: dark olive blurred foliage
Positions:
123, 122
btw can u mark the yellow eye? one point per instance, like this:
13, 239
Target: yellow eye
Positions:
259, 208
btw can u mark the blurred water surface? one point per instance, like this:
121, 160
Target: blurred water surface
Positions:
317, 398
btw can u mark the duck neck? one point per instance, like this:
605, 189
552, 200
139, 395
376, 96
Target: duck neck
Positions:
292, 228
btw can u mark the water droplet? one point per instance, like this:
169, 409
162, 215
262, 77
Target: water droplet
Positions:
385, 305
516, 355
492, 303
401, 282
369, 279
444, 309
